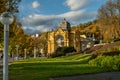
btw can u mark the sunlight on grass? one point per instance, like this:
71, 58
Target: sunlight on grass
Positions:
43, 68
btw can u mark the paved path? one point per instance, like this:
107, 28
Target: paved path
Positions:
100, 76
1, 64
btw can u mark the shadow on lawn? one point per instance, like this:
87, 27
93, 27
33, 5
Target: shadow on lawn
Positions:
75, 66
47, 64
43, 69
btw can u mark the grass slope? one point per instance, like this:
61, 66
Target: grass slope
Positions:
43, 68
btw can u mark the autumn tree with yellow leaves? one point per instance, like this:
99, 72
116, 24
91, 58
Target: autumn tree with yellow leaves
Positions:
109, 19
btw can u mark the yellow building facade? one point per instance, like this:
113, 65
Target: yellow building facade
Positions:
63, 37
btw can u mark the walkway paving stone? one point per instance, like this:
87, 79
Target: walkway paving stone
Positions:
100, 76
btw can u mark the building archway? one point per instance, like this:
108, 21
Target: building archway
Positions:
59, 40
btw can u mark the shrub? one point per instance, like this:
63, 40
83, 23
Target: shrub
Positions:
62, 51
107, 52
65, 50
116, 39
107, 48
116, 63
109, 62
96, 61
112, 53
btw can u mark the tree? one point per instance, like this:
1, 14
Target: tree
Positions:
13, 8
118, 7
108, 17
9, 5
43, 41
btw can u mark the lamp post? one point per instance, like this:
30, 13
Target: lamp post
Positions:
17, 55
35, 47
35, 37
6, 18
25, 55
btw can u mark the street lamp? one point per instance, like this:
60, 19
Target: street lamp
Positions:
35, 37
25, 55
6, 18
17, 55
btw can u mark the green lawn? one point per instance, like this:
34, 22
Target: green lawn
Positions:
43, 68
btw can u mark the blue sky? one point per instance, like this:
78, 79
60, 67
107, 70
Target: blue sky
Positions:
43, 15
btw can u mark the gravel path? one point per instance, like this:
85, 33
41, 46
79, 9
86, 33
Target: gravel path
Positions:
100, 76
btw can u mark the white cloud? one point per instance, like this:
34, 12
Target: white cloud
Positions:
77, 4
43, 23
35, 4
72, 15
80, 11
